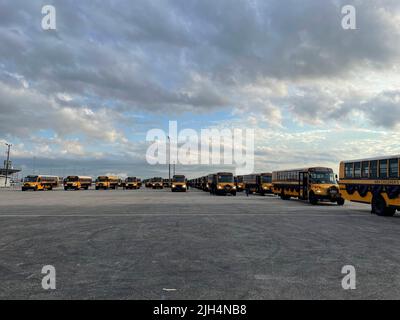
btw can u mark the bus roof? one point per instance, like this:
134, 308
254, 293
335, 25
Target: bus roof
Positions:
372, 159
43, 175
109, 177
307, 169
79, 177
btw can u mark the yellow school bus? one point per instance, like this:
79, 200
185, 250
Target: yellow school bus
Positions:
223, 183
179, 183
132, 183
313, 184
239, 183
258, 183
40, 182
77, 182
107, 182
373, 181
157, 183
264, 183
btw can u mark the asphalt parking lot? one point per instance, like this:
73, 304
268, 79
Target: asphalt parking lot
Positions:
161, 245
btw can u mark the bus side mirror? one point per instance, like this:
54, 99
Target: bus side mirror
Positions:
336, 176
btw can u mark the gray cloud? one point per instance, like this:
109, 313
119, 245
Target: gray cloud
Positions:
383, 110
144, 53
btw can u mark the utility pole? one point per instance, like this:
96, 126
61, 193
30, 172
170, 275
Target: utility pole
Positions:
7, 162
169, 161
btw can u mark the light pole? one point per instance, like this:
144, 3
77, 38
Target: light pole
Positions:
7, 162
176, 159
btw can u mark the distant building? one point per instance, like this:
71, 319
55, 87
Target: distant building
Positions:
11, 172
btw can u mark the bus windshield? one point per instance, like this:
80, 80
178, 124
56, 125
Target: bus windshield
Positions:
179, 179
131, 180
31, 179
225, 178
322, 178
72, 179
102, 179
266, 179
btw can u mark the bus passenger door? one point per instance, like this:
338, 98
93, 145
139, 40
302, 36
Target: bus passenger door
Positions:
303, 185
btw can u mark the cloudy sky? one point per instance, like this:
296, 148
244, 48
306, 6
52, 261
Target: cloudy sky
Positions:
80, 99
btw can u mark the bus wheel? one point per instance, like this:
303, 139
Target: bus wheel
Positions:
313, 200
340, 202
380, 208
284, 197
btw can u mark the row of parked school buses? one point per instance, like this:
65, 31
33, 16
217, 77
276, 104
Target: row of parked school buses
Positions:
44, 182
373, 181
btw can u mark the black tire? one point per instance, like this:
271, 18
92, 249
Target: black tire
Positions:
312, 199
283, 196
234, 194
340, 202
97, 188
380, 208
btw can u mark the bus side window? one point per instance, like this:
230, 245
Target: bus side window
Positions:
349, 170
365, 169
357, 170
383, 167
374, 169
393, 168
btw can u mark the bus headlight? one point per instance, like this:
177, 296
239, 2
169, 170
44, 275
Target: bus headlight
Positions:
184, 186
234, 187
173, 186
219, 187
